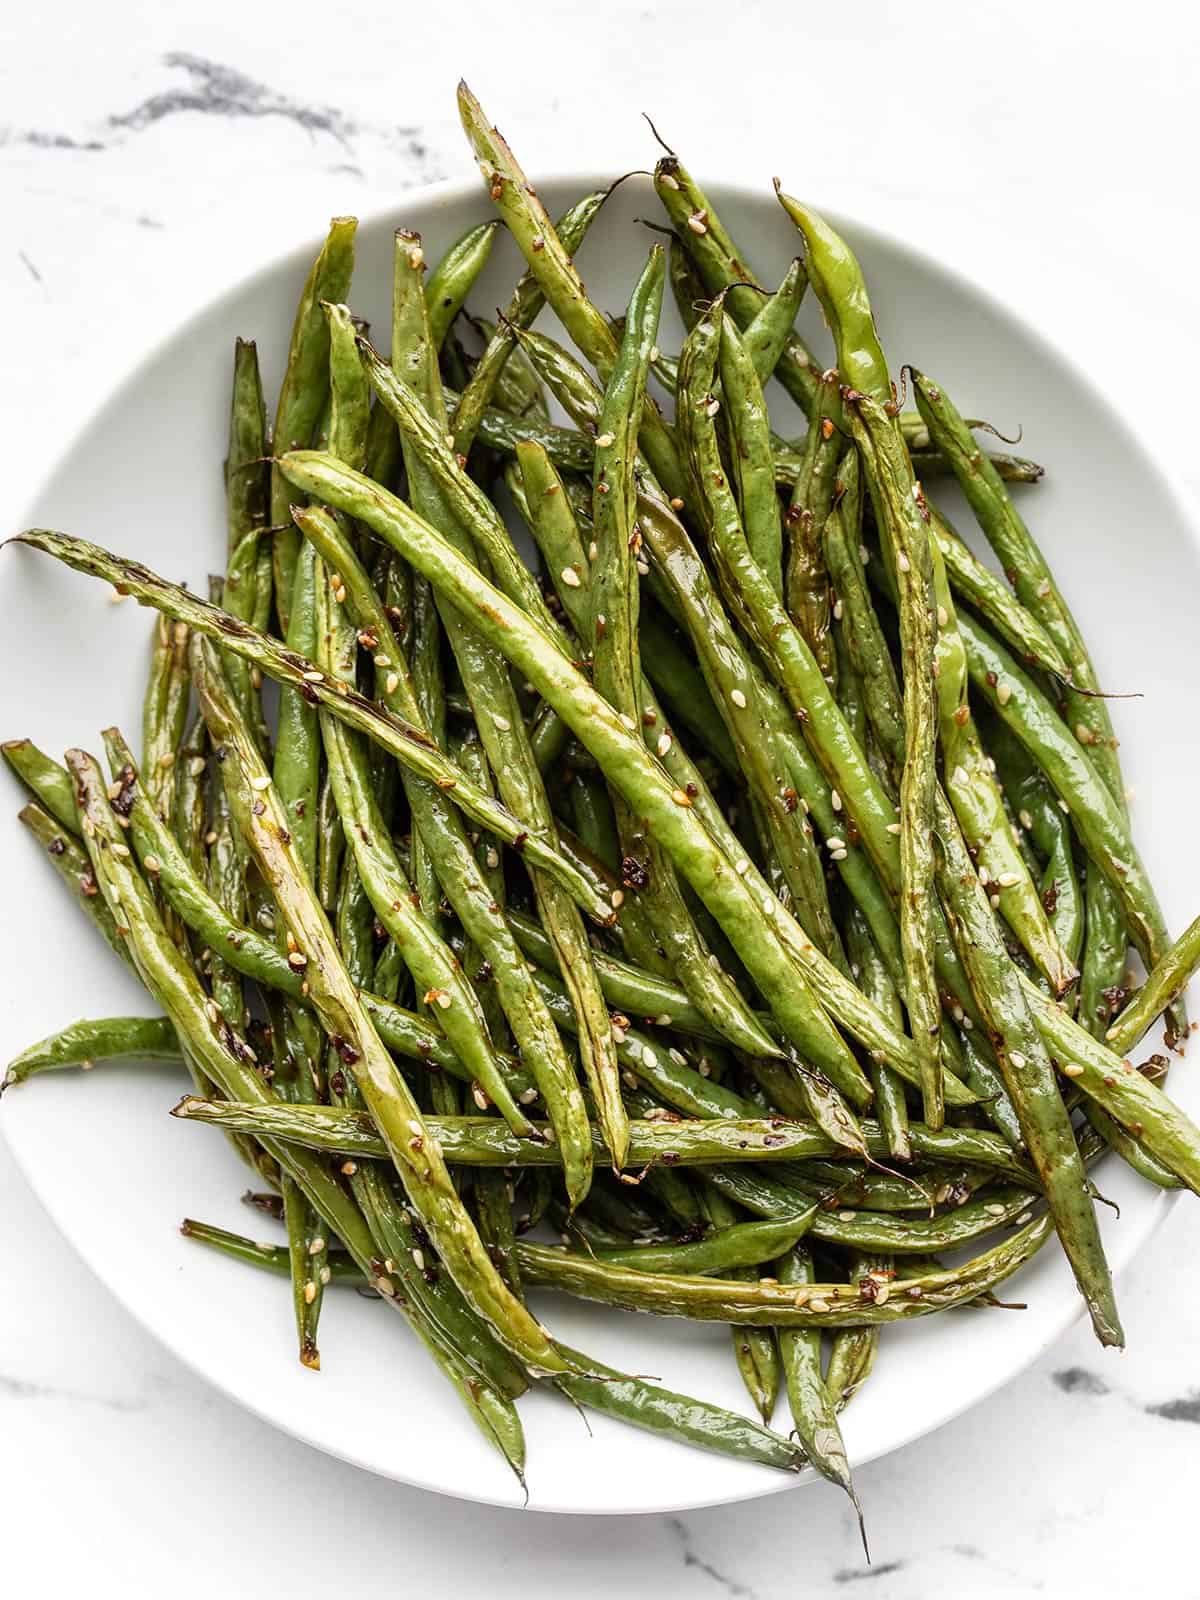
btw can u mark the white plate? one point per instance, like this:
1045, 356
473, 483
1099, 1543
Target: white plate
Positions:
117, 1174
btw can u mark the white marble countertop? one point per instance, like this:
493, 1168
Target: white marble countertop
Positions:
147, 143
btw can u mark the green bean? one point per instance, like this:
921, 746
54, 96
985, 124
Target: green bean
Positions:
820, 1305
164, 711
1164, 983
352, 1033
528, 222
892, 486
871, 973
676, 1416
721, 266
248, 589
707, 1143
1099, 821
1085, 710
492, 1411
498, 716
812, 1410
749, 428
807, 597
743, 1244
73, 867
1032, 799
995, 601
927, 464
852, 1351
44, 778
83, 1044
304, 392
647, 871
454, 276
522, 309
1028, 1076
978, 802
399, 737
1105, 947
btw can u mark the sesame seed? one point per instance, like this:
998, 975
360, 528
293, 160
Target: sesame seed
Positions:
995, 1210
480, 1099
847, 1216
994, 902
677, 1056
697, 223
627, 722
120, 849
527, 1096
741, 867
1003, 694
325, 1274
819, 1303
704, 1067
1017, 1059
837, 610
800, 1297
648, 1058
492, 858
768, 906
167, 759
1072, 1069
985, 876
349, 1168
414, 1126
738, 698
261, 782
943, 617
570, 577
1008, 880
1026, 821
1043, 588
310, 1292
196, 766
603, 440
314, 676
297, 959
1026, 1216
1063, 806
676, 503
392, 683
835, 800
643, 568
211, 836
152, 865
593, 550
501, 722
664, 1019
444, 999
315, 1246
419, 1260
680, 798
664, 743
902, 562
882, 1289
382, 660
835, 842
617, 899
893, 827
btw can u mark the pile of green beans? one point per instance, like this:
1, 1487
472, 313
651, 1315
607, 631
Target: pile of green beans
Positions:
745, 893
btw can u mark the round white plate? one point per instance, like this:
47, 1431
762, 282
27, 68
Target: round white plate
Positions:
117, 1174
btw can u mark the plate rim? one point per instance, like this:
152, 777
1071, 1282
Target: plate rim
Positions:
443, 193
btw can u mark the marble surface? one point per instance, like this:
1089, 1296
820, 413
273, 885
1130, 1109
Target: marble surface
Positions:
150, 152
